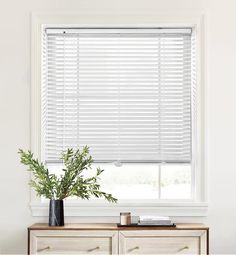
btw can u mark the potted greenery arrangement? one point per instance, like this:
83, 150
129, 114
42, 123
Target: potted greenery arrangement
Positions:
70, 183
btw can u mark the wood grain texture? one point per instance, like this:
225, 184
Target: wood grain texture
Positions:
159, 245
109, 226
103, 239
53, 242
185, 241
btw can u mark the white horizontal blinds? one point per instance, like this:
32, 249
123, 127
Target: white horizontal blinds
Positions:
62, 97
127, 95
44, 92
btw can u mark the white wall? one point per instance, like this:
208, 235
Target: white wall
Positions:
15, 110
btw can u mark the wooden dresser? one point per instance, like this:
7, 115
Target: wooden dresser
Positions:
108, 239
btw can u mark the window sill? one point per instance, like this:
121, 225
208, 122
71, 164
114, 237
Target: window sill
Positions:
99, 209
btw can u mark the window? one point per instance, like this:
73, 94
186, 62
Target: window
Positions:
129, 95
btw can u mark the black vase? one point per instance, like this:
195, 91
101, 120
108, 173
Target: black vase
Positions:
56, 213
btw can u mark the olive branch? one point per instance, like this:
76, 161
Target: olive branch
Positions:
71, 182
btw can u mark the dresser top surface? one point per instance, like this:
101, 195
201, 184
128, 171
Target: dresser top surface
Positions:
113, 226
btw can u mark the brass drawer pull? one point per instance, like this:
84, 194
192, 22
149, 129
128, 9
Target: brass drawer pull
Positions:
94, 249
184, 248
133, 249
44, 249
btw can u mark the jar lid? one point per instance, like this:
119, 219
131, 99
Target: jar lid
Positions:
125, 213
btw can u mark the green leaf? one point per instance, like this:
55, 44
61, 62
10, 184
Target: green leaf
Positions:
71, 182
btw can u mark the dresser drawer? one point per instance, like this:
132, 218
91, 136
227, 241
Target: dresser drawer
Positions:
167, 242
84, 242
162, 245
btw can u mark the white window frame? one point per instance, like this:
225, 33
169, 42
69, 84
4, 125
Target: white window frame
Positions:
196, 207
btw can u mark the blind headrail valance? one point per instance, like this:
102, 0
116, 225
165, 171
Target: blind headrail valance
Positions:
121, 31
